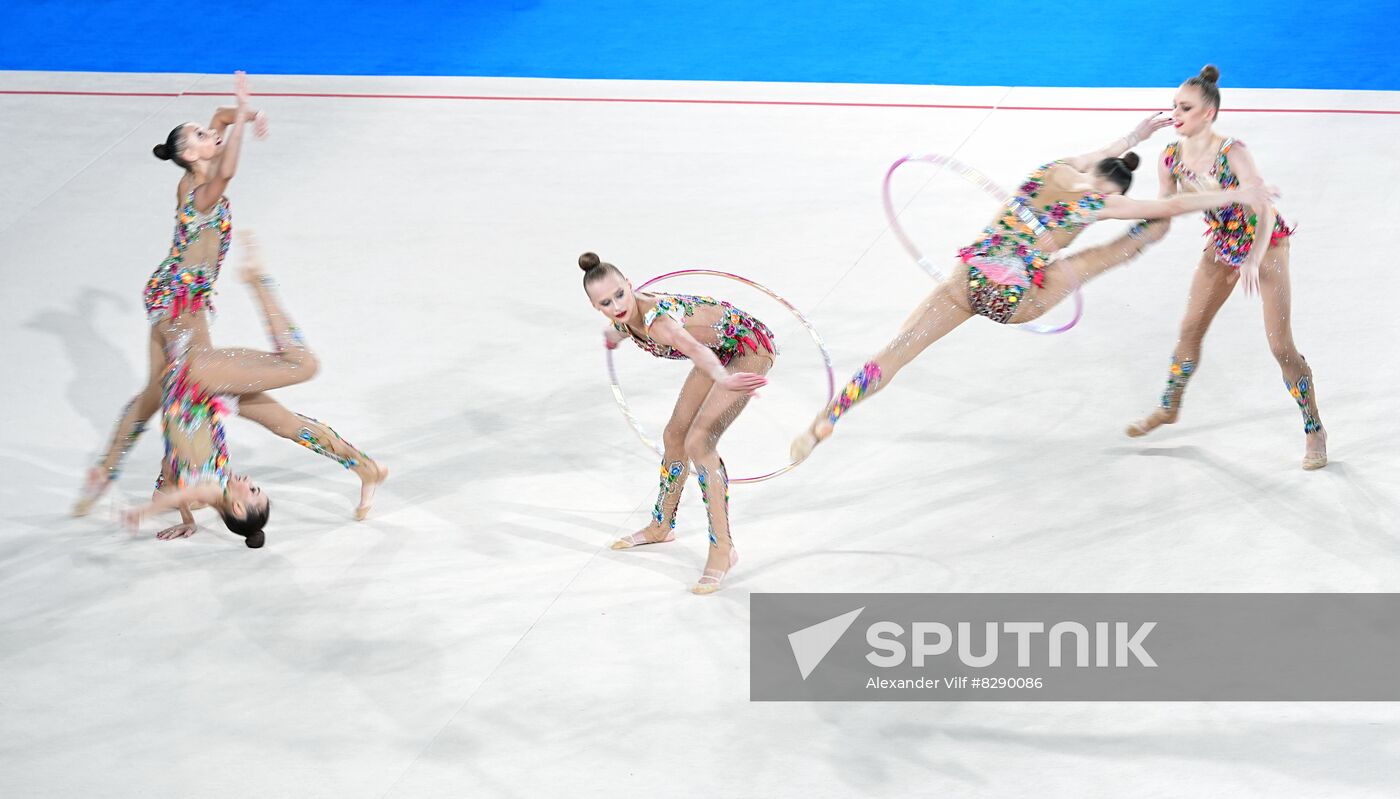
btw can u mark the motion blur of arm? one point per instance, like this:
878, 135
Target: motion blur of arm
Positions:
1116, 206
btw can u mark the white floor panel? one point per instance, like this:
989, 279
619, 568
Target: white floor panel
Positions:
476, 636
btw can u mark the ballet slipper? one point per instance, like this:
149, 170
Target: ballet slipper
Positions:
711, 579
641, 540
802, 446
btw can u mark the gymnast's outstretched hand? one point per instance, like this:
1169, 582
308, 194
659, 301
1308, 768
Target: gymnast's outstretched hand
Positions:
1151, 125
181, 530
612, 338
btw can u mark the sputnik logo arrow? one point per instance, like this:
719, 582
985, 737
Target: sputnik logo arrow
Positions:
811, 644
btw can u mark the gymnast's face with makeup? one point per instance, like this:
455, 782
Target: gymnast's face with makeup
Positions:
612, 295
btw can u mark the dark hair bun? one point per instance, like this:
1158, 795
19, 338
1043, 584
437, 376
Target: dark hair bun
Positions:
255, 540
1131, 161
161, 151
1210, 74
588, 261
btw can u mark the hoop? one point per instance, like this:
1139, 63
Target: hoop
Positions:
636, 424
997, 193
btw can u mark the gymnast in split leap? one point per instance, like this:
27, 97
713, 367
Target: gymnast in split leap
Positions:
1010, 273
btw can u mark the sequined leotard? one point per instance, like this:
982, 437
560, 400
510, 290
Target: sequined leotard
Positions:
195, 450
184, 281
1010, 248
1231, 229
734, 331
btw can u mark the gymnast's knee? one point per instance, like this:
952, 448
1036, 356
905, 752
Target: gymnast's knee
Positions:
673, 438
305, 362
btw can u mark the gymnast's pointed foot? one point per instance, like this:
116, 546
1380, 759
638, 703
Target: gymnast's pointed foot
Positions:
1153, 421
802, 446
372, 476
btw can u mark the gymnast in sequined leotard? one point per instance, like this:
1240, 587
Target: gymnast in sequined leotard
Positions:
195, 468
180, 294
731, 351
1203, 161
184, 281
1015, 271
200, 387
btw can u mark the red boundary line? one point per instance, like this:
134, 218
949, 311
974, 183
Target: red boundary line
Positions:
678, 101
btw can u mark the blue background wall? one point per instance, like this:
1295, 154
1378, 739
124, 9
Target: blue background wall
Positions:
1345, 45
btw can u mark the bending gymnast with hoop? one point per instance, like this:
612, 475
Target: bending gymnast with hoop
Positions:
731, 352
